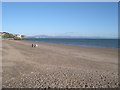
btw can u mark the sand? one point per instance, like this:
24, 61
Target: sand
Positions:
58, 65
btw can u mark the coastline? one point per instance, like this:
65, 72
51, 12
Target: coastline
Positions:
59, 64
102, 43
71, 45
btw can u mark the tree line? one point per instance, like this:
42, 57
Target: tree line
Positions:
9, 35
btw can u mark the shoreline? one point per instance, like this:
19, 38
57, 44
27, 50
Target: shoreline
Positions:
72, 45
58, 65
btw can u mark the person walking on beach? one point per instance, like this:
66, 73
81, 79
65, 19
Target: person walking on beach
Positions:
36, 45
32, 45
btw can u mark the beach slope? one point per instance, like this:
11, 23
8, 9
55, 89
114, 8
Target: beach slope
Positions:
58, 65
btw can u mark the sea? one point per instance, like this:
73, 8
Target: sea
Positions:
107, 43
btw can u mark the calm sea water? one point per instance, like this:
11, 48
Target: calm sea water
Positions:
109, 43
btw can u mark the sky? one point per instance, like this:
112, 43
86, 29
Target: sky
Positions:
88, 19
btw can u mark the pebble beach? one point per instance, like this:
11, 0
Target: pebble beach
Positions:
57, 66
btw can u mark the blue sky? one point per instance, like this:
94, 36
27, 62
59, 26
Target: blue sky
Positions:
87, 19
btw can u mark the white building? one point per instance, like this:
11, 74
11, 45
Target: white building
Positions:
17, 35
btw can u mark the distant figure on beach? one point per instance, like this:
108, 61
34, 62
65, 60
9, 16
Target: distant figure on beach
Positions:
32, 45
36, 45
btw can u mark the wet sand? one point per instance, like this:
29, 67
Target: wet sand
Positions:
58, 65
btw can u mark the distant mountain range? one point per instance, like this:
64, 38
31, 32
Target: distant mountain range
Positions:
47, 36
